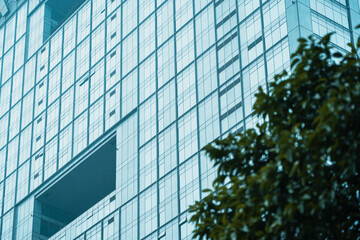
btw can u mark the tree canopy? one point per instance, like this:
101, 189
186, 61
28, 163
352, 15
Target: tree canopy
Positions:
295, 176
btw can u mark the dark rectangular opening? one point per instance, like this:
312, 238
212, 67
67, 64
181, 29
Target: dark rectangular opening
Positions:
56, 13
76, 191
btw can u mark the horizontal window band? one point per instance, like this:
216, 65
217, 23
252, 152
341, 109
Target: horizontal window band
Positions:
112, 93
112, 73
225, 19
112, 113
254, 43
231, 85
112, 54
113, 17
113, 35
218, 3
228, 63
111, 220
226, 41
230, 111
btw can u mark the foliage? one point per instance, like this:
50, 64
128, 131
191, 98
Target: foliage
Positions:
296, 176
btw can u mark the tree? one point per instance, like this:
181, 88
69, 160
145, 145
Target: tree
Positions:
296, 176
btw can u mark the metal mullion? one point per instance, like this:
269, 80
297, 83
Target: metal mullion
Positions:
176, 122
263, 43
217, 72
241, 67
197, 102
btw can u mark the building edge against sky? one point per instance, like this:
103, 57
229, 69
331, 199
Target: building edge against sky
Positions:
104, 105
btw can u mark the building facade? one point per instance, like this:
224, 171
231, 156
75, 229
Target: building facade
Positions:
105, 104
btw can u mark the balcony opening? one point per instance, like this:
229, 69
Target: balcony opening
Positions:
56, 13
75, 192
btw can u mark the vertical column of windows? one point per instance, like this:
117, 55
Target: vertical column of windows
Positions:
278, 59
148, 211
2, 167
65, 146
187, 135
96, 120
68, 72
183, 12
147, 38
112, 5
81, 95
129, 52
52, 120
8, 63
111, 227
38, 132
19, 54
166, 105
147, 118
12, 156
9, 33
15, 116
246, 8
274, 17
80, 133
56, 48
9, 196
113, 29
206, 74
209, 128
189, 183
112, 107
165, 63
113, 66
97, 44
17, 86
69, 35
25, 144
147, 78
97, 82
165, 22
82, 58
205, 30
167, 150
24, 219
170, 231
29, 76
129, 226
36, 174
127, 171
50, 160
22, 185
40, 97
129, 92
7, 225
251, 38
186, 90
230, 103
54, 84
27, 109
98, 12
67, 104
147, 164
83, 25
253, 78
146, 7
42, 63
185, 46
36, 26
168, 198
129, 21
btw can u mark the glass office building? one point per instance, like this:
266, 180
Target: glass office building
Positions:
105, 104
